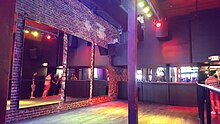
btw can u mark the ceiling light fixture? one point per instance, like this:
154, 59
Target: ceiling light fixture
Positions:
146, 9
141, 4
26, 31
35, 33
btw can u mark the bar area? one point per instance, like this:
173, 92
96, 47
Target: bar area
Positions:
170, 93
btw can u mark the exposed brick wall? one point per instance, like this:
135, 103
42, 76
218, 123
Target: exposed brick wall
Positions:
21, 114
91, 75
17, 63
63, 82
70, 16
116, 74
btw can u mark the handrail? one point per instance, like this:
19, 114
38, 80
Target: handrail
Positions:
204, 99
215, 89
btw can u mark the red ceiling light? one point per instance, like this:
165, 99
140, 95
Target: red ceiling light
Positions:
158, 24
48, 37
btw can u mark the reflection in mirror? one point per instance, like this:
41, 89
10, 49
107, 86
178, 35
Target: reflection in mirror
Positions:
78, 69
9, 94
41, 71
100, 82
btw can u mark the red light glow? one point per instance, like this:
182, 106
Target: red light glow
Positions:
158, 24
48, 37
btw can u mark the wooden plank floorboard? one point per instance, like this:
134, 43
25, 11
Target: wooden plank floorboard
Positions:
116, 113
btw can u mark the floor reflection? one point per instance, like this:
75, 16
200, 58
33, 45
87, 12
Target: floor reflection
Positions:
26, 103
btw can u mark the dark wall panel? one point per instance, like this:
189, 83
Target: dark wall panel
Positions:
206, 35
183, 94
120, 57
123, 90
193, 38
79, 89
156, 93
149, 50
101, 59
100, 88
177, 50
80, 56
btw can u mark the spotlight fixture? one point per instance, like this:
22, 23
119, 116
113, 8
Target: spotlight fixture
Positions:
35, 33
146, 9
48, 37
158, 24
45, 64
149, 15
141, 4
26, 31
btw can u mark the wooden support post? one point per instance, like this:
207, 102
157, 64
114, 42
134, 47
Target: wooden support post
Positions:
7, 10
132, 63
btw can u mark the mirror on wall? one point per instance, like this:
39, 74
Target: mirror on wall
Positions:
41, 65
100, 81
78, 69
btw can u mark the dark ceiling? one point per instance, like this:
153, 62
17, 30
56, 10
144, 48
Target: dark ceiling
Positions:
165, 8
110, 10
113, 8
169, 8
113, 11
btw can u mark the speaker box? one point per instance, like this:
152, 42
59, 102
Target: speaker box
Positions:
33, 53
140, 32
72, 41
103, 51
162, 32
111, 49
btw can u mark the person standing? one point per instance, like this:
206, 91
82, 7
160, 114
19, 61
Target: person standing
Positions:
54, 84
214, 98
33, 85
73, 77
58, 88
47, 85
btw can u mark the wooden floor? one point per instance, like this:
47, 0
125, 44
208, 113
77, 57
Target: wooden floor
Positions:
116, 113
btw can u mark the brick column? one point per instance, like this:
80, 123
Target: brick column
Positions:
65, 48
17, 62
115, 74
113, 83
91, 76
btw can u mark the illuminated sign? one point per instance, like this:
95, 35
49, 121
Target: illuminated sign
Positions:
214, 58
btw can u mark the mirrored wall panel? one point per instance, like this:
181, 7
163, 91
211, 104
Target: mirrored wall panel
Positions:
100, 81
42, 65
78, 69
